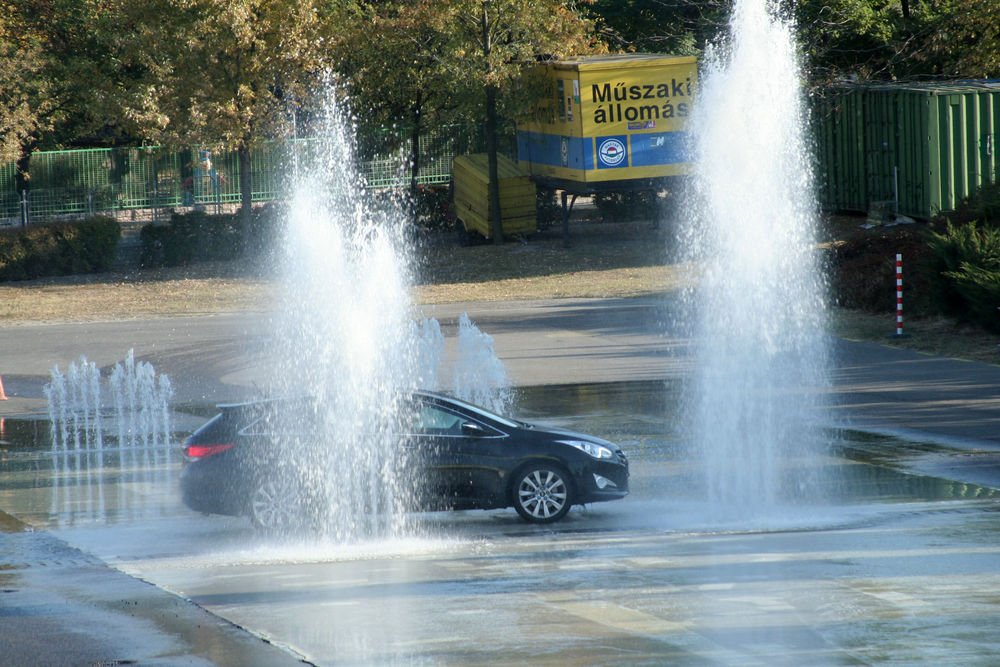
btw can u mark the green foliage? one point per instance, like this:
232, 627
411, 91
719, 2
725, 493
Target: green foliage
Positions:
959, 38
893, 39
652, 26
979, 288
59, 249
983, 206
966, 261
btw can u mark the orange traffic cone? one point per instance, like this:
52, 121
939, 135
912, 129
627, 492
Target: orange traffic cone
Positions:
3, 396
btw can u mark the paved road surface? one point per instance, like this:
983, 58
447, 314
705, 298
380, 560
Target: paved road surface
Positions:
220, 358
64, 606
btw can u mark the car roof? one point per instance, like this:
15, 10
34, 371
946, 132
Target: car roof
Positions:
281, 400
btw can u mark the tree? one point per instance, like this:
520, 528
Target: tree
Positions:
895, 40
22, 60
230, 72
964, 39
676, 27
392, 57
857, 39
496, 41
60, 75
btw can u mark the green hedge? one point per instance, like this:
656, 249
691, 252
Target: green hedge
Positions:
191, 237
199, 237
59, 249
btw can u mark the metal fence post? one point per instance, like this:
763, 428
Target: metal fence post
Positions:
24, 208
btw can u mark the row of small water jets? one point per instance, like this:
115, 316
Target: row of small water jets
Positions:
132, 406
119, 425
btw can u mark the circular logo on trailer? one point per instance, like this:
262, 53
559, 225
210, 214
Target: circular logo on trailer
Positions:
564, 151
611, 152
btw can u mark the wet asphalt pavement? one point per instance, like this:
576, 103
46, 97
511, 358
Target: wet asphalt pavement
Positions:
900, 567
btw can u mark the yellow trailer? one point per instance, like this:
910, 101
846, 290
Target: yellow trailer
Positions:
608, 119
471, 180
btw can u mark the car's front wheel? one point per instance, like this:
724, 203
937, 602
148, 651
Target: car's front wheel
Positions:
273, 506
543, 493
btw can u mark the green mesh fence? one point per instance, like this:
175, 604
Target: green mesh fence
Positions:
10, 204
84, 182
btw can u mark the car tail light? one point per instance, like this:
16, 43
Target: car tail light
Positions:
195, 452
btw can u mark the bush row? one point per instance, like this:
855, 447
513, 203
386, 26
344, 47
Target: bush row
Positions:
197, 237
59, 249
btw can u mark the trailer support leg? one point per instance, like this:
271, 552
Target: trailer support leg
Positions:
566, 210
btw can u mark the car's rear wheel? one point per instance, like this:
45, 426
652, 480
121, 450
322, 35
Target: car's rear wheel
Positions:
274, 505
543, 493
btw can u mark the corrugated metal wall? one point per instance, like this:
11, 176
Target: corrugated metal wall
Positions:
928, 145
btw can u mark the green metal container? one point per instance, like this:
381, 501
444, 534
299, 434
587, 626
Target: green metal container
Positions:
917, 148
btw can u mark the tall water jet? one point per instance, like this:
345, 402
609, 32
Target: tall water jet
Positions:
345, 338
758, 309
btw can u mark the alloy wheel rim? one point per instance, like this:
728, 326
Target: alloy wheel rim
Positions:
542, 493
272, 505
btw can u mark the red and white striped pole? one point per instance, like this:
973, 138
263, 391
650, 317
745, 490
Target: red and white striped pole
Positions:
899, 294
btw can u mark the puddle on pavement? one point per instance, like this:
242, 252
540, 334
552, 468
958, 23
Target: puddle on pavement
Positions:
39, 485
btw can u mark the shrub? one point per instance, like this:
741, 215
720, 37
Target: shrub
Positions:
548, 209
267, 228
197, 237
191, 237
59, 249
432, 207
966, 261
982, 206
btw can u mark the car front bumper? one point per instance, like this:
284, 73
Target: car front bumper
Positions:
599, 481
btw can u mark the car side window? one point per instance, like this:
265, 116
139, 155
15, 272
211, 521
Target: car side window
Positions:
432, 420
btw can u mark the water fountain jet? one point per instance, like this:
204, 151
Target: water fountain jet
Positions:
758, 309
346, 336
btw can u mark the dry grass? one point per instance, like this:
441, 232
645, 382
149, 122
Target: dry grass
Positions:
930, 335
605, 260
203, 290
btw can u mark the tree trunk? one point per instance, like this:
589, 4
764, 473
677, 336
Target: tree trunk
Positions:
415, 133
22, 171
246, 193
496, 221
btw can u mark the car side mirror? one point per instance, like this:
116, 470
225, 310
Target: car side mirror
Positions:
473, 430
